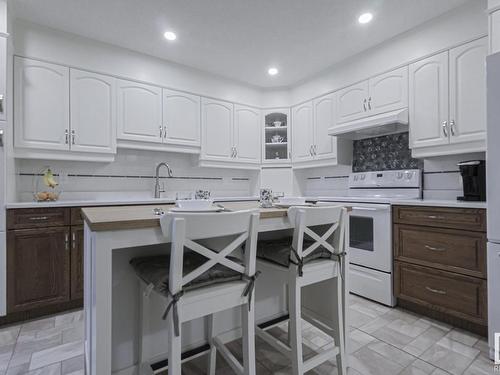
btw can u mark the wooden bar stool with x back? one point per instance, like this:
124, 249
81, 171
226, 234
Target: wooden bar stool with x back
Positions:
313, 266
198, 280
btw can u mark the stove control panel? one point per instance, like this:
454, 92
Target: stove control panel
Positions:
408, 178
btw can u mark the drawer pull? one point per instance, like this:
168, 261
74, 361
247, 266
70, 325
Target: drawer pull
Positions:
39, 218
434, 248
435, 217
437, 291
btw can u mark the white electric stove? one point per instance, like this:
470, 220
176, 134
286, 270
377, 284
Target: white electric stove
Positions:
370, 238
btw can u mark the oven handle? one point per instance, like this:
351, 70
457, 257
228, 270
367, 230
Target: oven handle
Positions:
370, 208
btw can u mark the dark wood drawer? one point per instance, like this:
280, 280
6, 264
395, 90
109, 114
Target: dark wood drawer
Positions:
76, 216
448, 249
24, 218
470, 219
453, 294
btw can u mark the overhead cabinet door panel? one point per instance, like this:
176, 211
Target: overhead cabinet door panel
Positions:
139, 112
324, 118
468, 92
247, 135
181, 118
41, 105
302, 131
93, 112
429, 101
217, 129
352, 102
388, 92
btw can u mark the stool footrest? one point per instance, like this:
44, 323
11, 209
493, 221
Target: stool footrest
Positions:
274, 342
318, 359
228, 356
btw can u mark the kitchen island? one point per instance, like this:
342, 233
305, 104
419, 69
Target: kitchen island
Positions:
113, 235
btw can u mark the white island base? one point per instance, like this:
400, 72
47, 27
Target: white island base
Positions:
113, 236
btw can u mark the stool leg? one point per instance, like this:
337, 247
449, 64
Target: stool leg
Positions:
144, 366
174, 346
248, 323
339, 334
212, 354
295, 324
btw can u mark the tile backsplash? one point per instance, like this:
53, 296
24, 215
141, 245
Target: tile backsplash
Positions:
132, 175
388, 152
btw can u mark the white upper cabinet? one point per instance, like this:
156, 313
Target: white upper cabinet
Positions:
41, 105
139, 112
247, 134
93, 112
325, 146
494, 33
388, 92
302, 132
468, 92
448, 101
181, 118
429, 101
352, 102
217, 130
277, 137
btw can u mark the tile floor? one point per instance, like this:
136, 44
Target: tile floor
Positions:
384, 341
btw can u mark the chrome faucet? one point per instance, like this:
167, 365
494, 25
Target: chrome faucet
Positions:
158, 190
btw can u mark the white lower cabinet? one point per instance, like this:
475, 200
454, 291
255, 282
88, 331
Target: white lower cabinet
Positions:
448, 101
139, 112
93, 112
41, 105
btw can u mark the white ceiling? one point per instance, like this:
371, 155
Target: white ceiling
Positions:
238, 39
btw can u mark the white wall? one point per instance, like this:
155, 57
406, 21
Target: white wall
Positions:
31, 40
460, 25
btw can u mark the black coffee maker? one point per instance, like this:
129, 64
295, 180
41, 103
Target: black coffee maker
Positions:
474, 180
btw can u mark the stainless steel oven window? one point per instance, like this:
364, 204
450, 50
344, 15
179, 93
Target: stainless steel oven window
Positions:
361, 233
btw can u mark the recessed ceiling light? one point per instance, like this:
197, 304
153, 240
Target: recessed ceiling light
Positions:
272, 71
170, 35
365, 18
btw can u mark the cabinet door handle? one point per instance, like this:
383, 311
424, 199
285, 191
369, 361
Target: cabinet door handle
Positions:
364, 105
73, 240
315, 149
370, 103
452, 127
310, 150
235, 152
39, 218
1, 103
66, 136
445, 128
434, 248
161, 131
165, 132
436, 291
72, 137
66, 241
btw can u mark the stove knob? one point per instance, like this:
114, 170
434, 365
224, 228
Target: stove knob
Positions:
409, 175
400, 175
363, 177
356, 178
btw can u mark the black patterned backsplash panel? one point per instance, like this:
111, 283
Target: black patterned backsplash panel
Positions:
388, 152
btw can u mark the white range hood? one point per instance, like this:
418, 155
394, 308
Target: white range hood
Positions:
373, 126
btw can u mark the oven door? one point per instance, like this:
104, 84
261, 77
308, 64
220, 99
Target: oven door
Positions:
370, 236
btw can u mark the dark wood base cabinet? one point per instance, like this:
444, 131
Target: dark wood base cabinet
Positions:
440, 264
44, 262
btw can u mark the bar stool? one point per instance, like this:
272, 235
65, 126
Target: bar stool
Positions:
198, 280
314, 260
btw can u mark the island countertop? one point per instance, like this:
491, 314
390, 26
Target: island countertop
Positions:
110, 218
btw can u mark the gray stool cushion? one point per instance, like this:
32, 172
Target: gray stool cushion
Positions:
278, 251
155, 270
